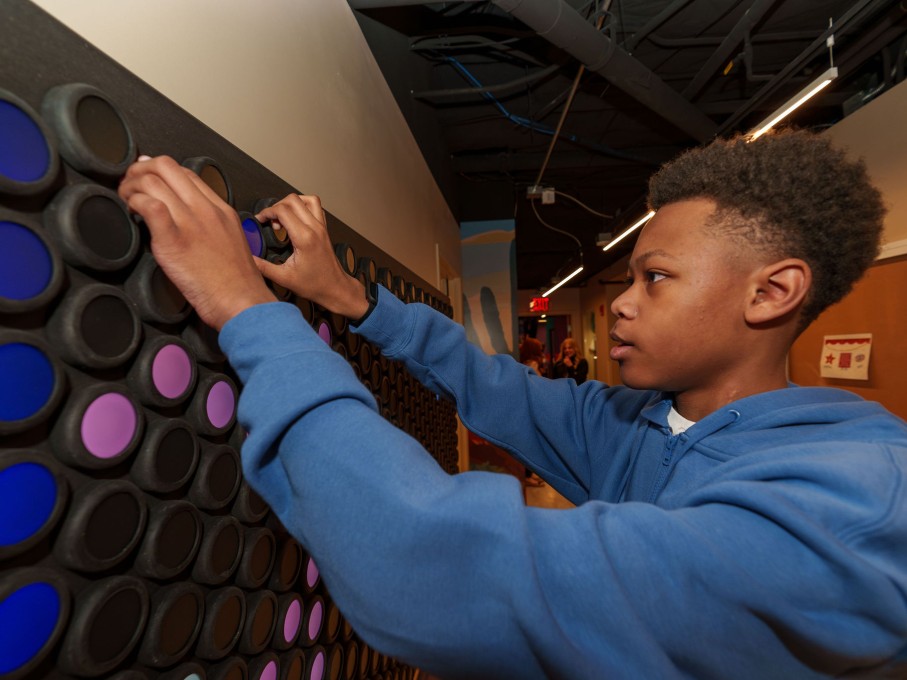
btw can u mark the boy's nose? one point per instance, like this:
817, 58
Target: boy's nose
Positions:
623, 306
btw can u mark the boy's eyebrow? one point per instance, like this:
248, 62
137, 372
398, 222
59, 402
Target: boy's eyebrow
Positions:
640, 260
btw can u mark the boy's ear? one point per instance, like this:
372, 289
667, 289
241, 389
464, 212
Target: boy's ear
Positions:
779, 290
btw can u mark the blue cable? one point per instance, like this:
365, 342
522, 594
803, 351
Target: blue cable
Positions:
519, 120
535, 125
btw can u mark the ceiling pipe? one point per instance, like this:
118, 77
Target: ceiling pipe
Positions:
564, 27
859, 11
566, 110
731, 42
655, 23
759, 38
490, 89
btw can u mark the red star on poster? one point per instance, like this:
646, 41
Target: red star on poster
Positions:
845, 356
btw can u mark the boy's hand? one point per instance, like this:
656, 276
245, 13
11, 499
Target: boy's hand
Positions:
312, 271
196, 238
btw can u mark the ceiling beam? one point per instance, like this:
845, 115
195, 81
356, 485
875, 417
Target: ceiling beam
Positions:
731, 42
566, 28
655, 23
858, 12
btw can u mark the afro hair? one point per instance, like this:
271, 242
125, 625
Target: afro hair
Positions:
790, 194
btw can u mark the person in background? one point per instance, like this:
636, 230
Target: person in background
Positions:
570, 362
531, 354
728, 524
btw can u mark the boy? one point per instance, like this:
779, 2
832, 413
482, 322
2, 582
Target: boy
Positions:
729, 525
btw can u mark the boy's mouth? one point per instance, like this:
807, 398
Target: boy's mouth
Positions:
620, 351
616, 338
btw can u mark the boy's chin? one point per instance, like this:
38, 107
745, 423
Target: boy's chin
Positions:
635, 381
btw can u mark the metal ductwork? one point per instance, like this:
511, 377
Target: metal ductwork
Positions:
725, 50
564, 27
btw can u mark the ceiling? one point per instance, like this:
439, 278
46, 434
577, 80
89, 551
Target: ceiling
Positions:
484, 86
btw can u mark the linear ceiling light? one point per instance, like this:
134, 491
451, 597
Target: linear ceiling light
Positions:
794, 102
614, 241
562, 282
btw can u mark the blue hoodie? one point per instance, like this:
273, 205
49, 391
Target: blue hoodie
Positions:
767, 541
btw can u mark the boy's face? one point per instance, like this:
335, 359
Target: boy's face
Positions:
680, 323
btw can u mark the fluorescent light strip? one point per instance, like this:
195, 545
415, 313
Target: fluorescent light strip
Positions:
563, 281
645, 218
794, 102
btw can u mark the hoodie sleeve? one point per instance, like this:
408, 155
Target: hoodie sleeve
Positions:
455, 575
549, 425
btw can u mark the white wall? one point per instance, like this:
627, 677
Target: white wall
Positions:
294, 85
876, 133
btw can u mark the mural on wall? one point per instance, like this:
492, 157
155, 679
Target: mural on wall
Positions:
489, 284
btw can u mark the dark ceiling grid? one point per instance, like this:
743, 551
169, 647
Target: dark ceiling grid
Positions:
733, 62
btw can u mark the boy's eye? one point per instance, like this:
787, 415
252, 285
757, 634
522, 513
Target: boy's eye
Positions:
654, 276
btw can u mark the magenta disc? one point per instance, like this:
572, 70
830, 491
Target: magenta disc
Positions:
291, 621
220, 404
269, 672
317, 667
108, 425
315, 618
311, 573
171, 371
324, 332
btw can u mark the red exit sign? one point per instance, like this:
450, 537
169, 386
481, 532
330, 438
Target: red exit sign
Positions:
538, 304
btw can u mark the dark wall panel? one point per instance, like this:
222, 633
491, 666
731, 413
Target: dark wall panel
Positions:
130, 545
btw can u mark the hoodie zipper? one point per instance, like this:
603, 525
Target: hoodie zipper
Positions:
666, 460
689, 438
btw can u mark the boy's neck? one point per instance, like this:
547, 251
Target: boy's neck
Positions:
696, 406
697, 403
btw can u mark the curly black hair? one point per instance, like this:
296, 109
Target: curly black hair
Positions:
791, 194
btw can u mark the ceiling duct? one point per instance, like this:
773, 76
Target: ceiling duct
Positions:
725, 51
566, 28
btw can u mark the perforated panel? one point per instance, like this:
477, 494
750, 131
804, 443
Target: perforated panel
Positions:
130, 545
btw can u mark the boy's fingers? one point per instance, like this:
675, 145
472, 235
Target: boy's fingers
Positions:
263, 265
313, 205
150, 196
299, 227
155, 212
146, 179
306, 209
270, 213
205, 190
183, 184
269, 270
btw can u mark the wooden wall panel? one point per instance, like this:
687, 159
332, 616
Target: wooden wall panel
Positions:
877, 305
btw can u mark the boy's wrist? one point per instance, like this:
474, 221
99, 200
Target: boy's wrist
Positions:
351, 301
237, 306
370, 296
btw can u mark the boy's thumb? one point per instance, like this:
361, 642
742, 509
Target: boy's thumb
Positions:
268, 269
